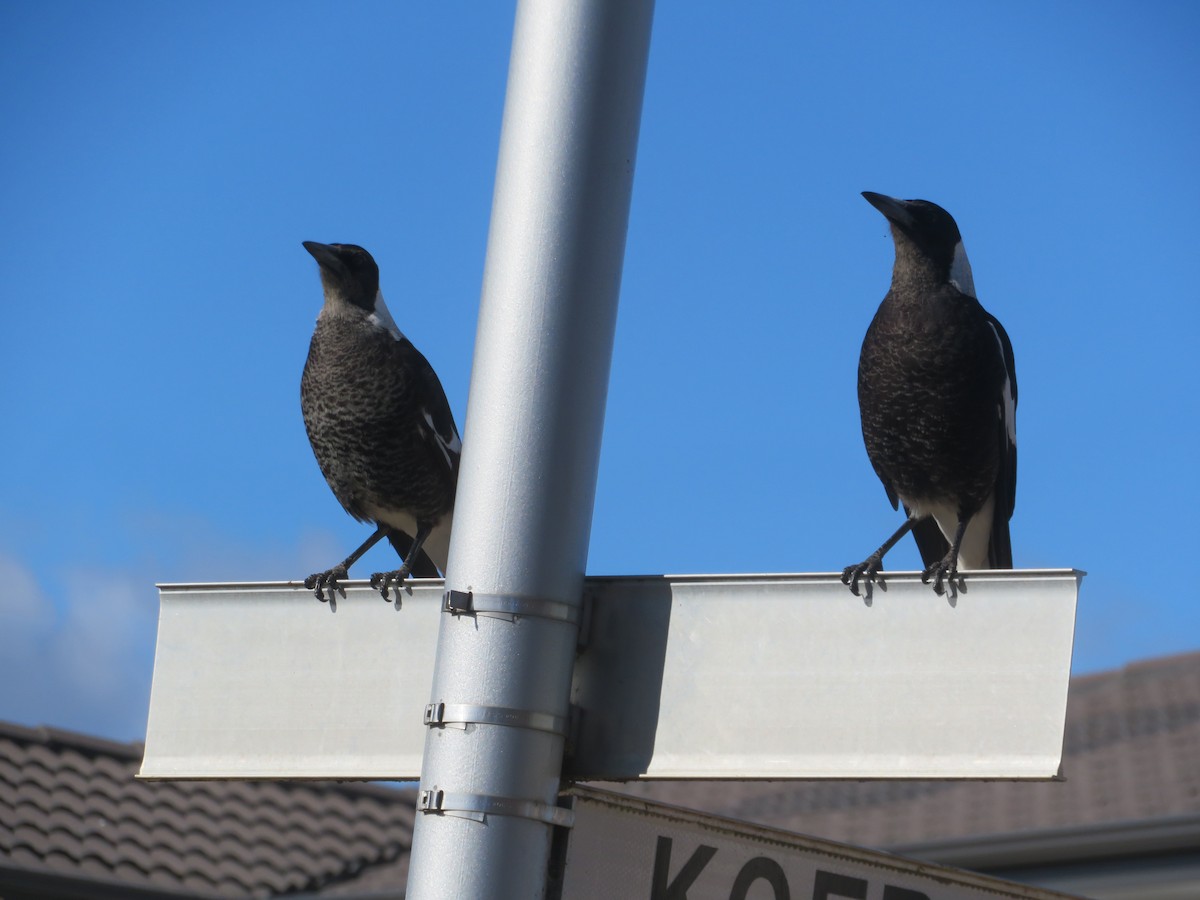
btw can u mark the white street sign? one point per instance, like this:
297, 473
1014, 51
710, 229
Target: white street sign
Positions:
624, 847
791, 676
714, 676
263, 681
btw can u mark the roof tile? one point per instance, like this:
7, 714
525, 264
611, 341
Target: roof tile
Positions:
72, 803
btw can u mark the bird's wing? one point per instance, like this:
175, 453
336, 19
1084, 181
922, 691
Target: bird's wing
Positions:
892, 496
435, 410
999, 544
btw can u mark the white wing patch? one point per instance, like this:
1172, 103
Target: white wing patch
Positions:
381, 318
960, 271
1008, 410
453, 446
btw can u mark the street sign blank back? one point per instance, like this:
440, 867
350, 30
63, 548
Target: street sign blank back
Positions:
730, 676
790, 676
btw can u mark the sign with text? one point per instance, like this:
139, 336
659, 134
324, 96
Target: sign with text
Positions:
625, 847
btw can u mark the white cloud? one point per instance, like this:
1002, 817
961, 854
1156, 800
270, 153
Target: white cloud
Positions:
77, 645
23, 610
84, 663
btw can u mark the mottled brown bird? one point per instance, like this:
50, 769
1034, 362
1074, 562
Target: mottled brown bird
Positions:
379, 423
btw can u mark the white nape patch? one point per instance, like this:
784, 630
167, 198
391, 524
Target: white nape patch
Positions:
1008, 409
381, 318
960, 271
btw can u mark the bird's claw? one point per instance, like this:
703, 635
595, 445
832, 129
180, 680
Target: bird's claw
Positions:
868, 569
318, 582
943, 572
381, 581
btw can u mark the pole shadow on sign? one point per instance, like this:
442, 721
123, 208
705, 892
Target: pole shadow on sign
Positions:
618, 681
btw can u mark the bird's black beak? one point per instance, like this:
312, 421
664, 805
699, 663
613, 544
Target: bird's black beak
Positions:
896, 211
325, 256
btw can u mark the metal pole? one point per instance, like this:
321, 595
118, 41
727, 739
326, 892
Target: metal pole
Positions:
532, 443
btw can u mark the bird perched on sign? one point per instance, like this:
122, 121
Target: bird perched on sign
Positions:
379, 423
937, 392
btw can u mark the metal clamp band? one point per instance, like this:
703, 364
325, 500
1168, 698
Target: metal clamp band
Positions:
438, 801
468, 602
437, 714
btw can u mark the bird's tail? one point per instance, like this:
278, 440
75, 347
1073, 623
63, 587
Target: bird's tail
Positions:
985, 545
999, 542
930, 540
435, 552
424, 567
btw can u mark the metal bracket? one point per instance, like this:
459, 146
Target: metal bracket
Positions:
473, 805
470, 603
440, 714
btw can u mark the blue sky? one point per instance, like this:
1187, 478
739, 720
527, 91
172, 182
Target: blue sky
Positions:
161, 164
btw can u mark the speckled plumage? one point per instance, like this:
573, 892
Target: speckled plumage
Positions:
937, 396
362, 395
377, 418
926, 359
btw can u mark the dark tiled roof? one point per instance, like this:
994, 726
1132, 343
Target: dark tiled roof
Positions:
70, 804
1132, 752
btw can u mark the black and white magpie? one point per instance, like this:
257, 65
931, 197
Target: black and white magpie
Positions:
937, 393
379, 423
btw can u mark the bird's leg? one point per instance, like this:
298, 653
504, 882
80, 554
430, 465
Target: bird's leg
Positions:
382, 580
330, 578
946, 568
870, 566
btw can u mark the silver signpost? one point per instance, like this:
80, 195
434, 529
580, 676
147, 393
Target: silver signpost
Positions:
500, 700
